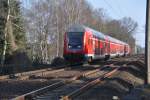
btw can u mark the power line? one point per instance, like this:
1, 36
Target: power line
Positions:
119, 8
110, 6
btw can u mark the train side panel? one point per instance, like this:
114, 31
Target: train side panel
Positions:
88, 47
95, 48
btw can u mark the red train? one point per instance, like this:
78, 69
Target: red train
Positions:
85, 44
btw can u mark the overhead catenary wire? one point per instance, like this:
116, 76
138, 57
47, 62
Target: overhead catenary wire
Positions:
110, 6
121, 11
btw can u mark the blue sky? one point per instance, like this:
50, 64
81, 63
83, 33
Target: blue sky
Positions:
116, 9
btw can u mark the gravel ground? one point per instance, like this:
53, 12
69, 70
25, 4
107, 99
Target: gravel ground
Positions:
62, 91
12, 88
68, 73
120, 85
116, 87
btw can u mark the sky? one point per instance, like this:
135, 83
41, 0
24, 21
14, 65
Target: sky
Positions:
116, 9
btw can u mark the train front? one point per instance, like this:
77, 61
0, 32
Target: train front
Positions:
73, 46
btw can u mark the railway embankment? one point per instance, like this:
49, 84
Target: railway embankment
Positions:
118, 78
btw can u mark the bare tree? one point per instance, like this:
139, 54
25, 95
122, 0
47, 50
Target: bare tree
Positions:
128, 24
47, 21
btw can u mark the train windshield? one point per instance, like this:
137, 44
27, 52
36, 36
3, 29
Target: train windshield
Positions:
75, 40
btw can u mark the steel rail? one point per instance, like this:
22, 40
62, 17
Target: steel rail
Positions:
26, 75
62, 83
23, 73
89, 84
96, 81
30, 95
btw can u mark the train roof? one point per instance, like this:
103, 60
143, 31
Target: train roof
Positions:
115, 40
76, 28
82, 28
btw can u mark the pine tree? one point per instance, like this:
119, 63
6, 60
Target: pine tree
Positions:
11, 30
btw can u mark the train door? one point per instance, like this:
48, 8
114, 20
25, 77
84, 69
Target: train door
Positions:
107, 48
89, 45
103, 48
99, 49
107, 52
94, 45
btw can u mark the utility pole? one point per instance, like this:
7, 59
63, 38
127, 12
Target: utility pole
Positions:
147, 43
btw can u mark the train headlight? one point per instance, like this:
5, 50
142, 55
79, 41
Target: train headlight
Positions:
79, 46
69, 46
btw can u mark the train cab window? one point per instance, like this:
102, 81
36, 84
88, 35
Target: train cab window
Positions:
75, 40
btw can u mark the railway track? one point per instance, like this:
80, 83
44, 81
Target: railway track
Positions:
44, 72
69, 83
88, 85
16, 85
97, 75
101, 79
55, 85
27, 75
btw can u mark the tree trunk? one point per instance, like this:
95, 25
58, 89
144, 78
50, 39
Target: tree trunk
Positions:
57, 30
10, 37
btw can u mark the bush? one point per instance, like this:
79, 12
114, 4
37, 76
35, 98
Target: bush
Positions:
58, 61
